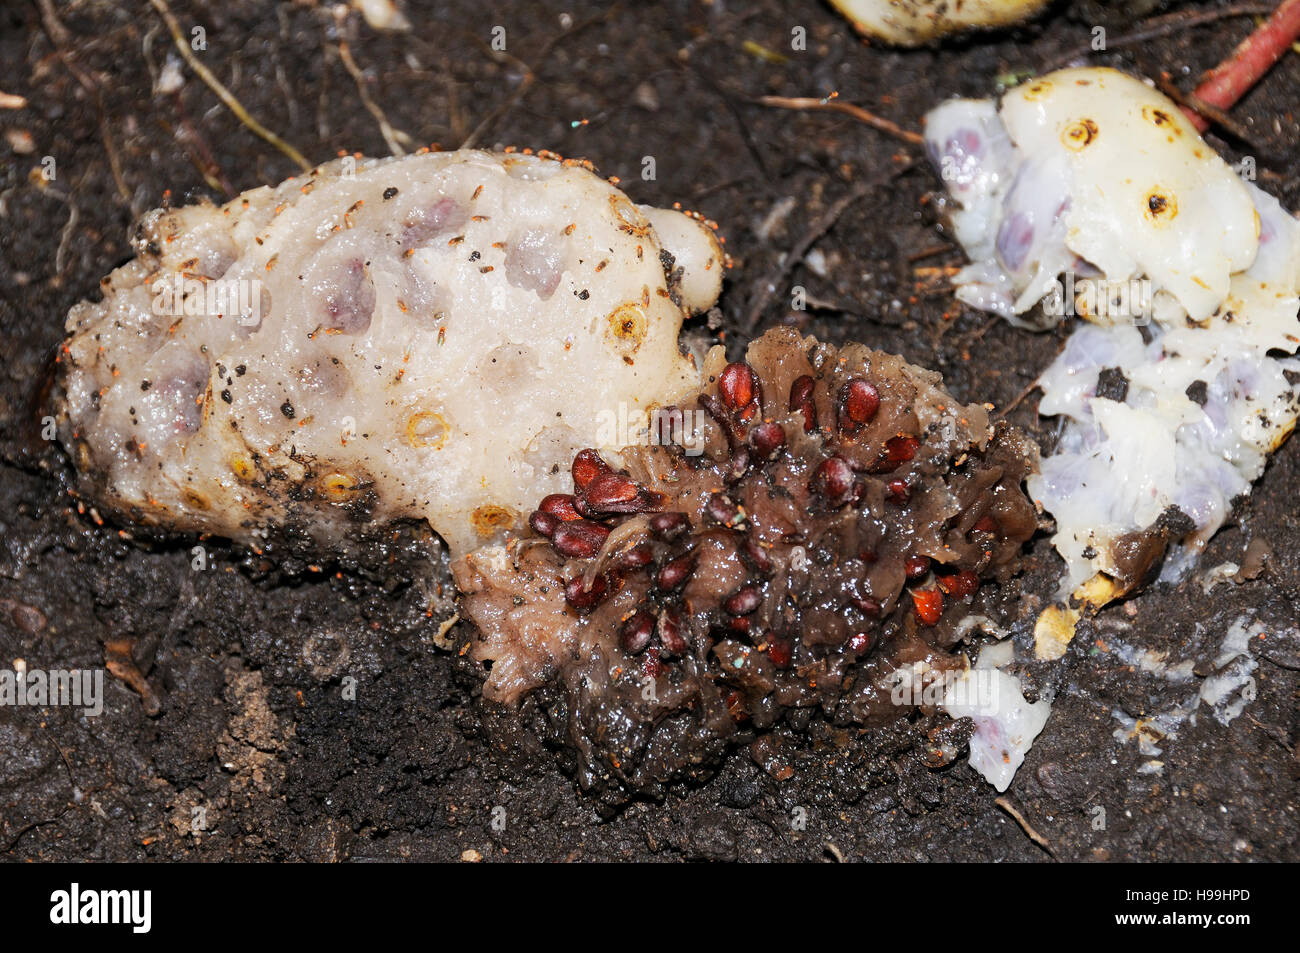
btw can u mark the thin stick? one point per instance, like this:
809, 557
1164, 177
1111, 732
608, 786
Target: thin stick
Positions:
1006, 805
65, 236
225, 95
1029, 389
818, 229
1202, 114
1163, 26
530, 76
114, 163
849, 109
1253, 57
395, 138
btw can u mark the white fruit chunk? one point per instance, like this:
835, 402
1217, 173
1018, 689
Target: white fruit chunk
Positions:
431, 337
1085, 191
912, 22
1005, 723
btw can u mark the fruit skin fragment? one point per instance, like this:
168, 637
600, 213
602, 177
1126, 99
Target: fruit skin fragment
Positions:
916, 22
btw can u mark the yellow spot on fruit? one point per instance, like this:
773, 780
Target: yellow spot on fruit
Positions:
627, 324
426, 429
1161, 207
489, 519
627, 217
242, 467
339, 487
1159, 117
1038, 90
1079, 134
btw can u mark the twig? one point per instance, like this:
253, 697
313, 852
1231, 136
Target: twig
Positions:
1253, 57
225, 95
65, 236
530, 76
394, 138
849, 109
729, 101
819, 228
1199, 111
1163, 26
22, 831
58, 34
1006, 805
930, 252
114, 163
1029, 389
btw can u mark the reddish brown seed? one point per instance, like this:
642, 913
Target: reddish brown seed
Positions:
738, 386
584, 600
916, 566
833, 480
669, 525
744, 601
559, 505
738, 466
672, 631
859, 401
738, 624
801, 401
897, 491
898, 450
638, 557
579, 538
543, 524
637, 632
613, 493
779, 651
720, 509
861, 642
868, 606
758, 556
928, 604
960, 585
767, 439
587, 465
676, 572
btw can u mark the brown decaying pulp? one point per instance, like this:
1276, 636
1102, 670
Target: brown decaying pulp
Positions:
842, 513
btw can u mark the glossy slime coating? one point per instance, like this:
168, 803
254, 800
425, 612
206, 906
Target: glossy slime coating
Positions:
745, 584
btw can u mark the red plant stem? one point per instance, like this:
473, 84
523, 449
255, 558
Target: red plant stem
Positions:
1253, 57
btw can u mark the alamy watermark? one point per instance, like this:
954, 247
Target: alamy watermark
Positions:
37, 688
74, 906
918, 685
182, 294
663, 426
1127, 301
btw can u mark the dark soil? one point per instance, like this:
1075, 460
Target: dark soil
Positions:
255, 751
